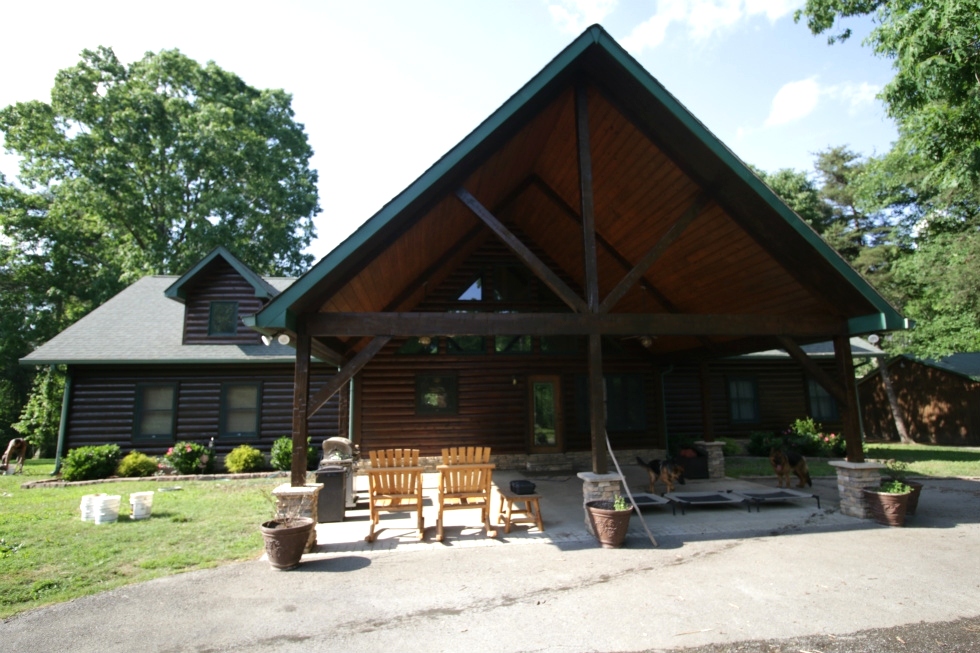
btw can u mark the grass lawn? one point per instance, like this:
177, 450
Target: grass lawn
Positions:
48, 554
922, 459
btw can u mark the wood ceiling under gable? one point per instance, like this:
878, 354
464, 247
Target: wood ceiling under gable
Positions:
531, 182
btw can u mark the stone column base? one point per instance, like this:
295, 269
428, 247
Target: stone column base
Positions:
716, 459
292, 502
852, 479
598, 487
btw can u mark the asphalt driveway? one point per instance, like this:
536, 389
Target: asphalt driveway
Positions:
787, 576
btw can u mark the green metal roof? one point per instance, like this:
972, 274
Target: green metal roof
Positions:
593, 52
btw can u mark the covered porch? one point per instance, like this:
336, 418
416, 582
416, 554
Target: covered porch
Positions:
529, 290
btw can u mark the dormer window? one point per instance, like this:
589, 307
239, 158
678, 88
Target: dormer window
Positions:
223, 320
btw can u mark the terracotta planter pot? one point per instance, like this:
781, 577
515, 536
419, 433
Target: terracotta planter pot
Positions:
609, 525
284, 543
887, 509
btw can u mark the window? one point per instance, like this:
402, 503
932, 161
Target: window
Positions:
240, 410
743, 399
435, 394
420, 346
823, 407
223, 320
156, 407
466, 345
473, 292
625, 402
512, 344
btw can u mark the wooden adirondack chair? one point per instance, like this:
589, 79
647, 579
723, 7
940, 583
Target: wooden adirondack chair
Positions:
394, 485
464, 484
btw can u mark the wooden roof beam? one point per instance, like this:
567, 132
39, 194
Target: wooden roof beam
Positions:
345, 374
655, 252
828, 382
542, 324
536, 265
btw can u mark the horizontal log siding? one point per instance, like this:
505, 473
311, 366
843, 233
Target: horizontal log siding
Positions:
493, 410
938, 407
219, 282
782, 397
103, 405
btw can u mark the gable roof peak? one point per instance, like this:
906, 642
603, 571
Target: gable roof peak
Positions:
178, 289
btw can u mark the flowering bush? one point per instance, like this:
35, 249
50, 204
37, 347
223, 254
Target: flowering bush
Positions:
191, 458
804, 435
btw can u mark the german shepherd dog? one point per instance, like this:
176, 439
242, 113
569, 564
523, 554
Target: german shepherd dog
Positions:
784, 462
666, 471
16, 449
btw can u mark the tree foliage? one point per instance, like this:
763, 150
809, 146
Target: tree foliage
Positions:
136, 170
935, 95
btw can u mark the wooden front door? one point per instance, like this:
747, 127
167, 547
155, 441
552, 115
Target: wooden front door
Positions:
545, 422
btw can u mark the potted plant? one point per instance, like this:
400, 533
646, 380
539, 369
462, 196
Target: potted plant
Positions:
888, 503
286, 537
610, 521
899, 470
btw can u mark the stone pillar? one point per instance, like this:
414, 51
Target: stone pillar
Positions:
716, 459
598, 487
293, 502
852, 479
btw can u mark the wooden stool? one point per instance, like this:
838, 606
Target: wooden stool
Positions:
531, 513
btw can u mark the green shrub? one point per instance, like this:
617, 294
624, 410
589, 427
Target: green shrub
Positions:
137, 464
243, 459
281, 457
89, 463
761, 442
191, 458
731, 448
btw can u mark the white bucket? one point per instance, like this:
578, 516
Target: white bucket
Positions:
88, 506
142, 504
105, 508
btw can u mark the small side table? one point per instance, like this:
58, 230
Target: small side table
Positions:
509, 514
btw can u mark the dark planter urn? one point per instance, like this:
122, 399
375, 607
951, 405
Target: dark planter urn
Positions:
885, 508
285, 541
610, 525
913, 497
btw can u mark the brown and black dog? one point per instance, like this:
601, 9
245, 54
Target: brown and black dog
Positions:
666, 471
784, 462
16, 449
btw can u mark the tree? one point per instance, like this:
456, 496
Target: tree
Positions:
935, 94
166, 159
135, 170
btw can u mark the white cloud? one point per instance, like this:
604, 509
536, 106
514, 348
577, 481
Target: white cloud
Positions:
793, 101
573, 16
702, 18
856, 96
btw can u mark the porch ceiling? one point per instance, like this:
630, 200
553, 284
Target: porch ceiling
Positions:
652, 170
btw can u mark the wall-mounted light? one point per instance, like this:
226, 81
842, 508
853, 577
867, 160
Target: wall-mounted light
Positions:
266, 340
425, 341
646, 341
283, 339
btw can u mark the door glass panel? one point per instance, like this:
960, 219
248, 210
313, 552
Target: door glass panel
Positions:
545, 424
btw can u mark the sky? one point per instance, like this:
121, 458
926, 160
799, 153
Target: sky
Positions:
385, 88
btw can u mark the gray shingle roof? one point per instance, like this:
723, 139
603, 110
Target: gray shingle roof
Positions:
860, 348
141, 325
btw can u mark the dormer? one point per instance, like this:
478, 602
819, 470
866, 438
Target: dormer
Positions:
216, 293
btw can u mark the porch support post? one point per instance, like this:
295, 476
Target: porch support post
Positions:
849, 409
597, 388
301, 397
707, 424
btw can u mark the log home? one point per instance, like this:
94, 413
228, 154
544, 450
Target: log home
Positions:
531, 288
